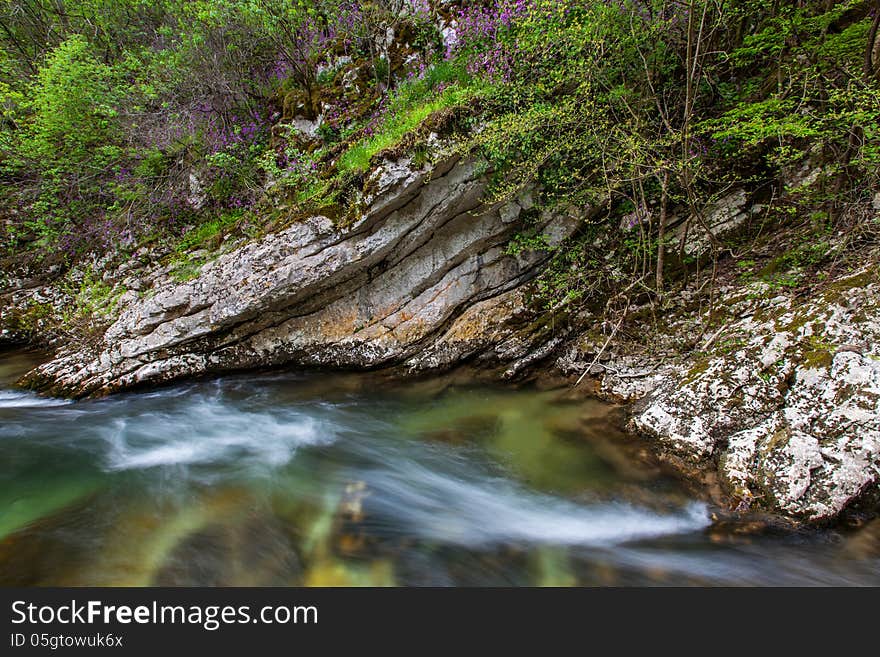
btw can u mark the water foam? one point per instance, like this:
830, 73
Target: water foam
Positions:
207, 431
22, 399
487, 511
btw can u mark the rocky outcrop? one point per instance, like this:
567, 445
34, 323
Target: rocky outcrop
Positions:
786, 404
421, 280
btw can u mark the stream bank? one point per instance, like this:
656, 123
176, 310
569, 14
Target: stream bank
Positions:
767, 394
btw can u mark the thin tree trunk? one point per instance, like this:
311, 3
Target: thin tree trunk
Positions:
661, 233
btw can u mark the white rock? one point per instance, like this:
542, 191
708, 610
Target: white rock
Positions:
794, 418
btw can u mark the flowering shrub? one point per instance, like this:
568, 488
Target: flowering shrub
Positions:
155, 117
486, 36
135, 118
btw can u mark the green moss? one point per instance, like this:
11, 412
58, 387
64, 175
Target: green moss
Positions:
818, 352
208, 234
698, 368
94, 298
816, 359
187, 269
835, 291
729, 345
401, 121
798, 321
29, 319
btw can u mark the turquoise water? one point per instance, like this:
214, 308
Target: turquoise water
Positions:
320, 479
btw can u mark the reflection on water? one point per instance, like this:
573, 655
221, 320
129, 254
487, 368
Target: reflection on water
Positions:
317, 479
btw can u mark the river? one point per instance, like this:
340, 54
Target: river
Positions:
350, 479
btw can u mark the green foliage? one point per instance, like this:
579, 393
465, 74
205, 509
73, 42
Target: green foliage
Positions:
817, 97
600, 103
120, 119
93, 298
194, 248
73, 107
206, 234
125, 119
752, 124
187, 268
444, 87
532, 240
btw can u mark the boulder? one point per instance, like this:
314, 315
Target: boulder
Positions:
791, 412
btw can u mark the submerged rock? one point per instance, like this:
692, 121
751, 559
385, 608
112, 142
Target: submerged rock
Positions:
256, 552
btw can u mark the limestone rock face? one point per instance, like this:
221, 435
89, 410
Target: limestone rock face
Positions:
421, 279
790, 406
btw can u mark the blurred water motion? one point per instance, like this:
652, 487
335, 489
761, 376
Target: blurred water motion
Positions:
319, 479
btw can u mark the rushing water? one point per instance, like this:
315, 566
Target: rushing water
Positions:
290, 479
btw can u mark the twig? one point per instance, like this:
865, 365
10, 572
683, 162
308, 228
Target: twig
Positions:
604, 346
712, 338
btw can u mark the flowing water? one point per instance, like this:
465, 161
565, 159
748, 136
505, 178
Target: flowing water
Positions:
301, 479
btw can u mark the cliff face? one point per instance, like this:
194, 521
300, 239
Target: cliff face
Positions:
421, 280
